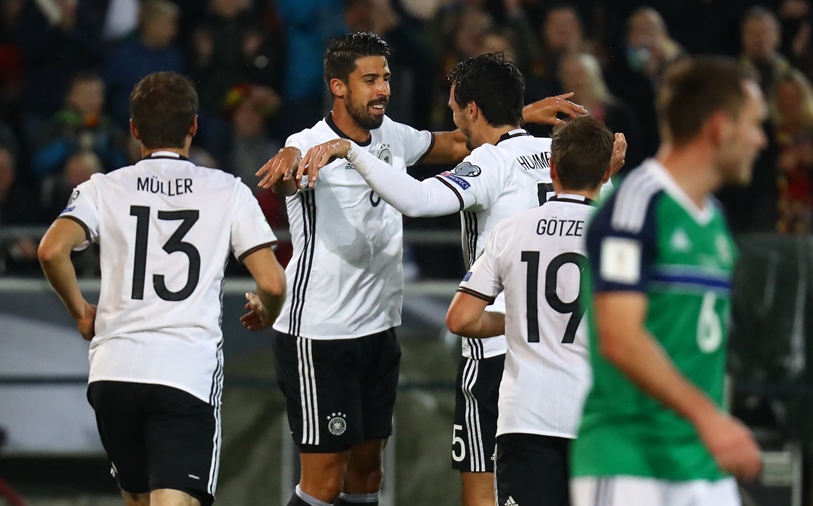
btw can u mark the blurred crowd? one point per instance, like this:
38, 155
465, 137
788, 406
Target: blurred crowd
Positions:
67, 68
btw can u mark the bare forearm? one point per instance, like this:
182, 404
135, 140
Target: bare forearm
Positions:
449, 147
61, 274
490, 324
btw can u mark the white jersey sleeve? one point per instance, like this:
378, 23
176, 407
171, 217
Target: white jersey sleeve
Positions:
478, 180
250, 230
83, 208
485, 280
416, 143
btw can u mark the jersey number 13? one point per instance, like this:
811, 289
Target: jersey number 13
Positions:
175, 243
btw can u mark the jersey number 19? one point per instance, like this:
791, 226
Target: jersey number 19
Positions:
573, 308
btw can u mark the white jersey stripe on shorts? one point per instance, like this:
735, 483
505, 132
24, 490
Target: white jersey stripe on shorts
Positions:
214, 468
305, 391
476, 458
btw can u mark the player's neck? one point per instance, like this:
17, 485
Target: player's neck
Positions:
692, 168
588, 194
348, 126
145, 152
492, 135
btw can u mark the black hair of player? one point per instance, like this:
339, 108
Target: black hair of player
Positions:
581, 150
163, 106
695, 88
493, 83
343, 52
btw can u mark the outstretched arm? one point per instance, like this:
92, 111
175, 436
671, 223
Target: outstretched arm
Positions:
467, 317
55, 258
450, 147
430, 197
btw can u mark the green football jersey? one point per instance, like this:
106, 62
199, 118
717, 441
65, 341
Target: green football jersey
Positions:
649, 237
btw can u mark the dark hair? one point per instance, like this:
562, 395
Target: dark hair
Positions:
581, 150
163, 106
693, 89
759, 12
493, 83
342, 53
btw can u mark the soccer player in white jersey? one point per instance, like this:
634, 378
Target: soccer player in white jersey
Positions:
165, 228
536, 259
337, 355
508, 172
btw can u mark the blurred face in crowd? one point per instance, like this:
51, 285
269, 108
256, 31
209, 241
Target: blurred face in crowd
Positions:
229, 8
563, 32
789, 100
645, 29
496, 43
760, 38
576, 78
368, 91
358, 15
80, 167
87, 96
474, 24
248, 122
160, 31
742, 138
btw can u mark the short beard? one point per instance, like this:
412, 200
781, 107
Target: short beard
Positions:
361, 116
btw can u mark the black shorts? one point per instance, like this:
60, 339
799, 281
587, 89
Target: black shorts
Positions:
158, 437
475, 413
339, 392
532, 469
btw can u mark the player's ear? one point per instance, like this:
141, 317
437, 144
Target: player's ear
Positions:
338, 88
134, 131
553, 174
719, 127
193, 129
607, 174
473, 110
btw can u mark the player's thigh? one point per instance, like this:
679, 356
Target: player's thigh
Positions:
378, 375
320, 381
475, 421
117, 409
634, 491
183, 439
532, 469
170, 497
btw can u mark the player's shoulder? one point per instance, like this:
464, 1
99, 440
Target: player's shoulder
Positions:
318, 133
631, 205
487, 155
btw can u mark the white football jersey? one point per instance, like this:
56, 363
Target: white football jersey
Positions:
165, 228
345, 278
493, 183
536, 258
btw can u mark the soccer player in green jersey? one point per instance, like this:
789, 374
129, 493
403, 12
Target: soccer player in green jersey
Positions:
654, 431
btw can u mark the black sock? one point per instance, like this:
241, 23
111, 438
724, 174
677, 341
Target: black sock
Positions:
297, 501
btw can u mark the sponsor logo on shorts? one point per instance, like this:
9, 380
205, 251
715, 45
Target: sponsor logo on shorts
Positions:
337, 424
194, 477
459, 181
511, 502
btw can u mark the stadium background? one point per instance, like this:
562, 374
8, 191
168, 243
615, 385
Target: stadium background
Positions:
66, 68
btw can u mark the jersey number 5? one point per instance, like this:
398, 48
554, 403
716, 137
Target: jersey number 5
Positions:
175, 243
573, 308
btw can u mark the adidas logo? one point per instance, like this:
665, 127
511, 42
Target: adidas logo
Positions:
511, 502
680, 241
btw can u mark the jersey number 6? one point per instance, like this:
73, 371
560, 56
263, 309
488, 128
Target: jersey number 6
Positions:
175, 243
573, 308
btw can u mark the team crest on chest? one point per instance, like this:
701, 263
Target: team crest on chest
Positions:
385, 155
680, 241
337, 423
